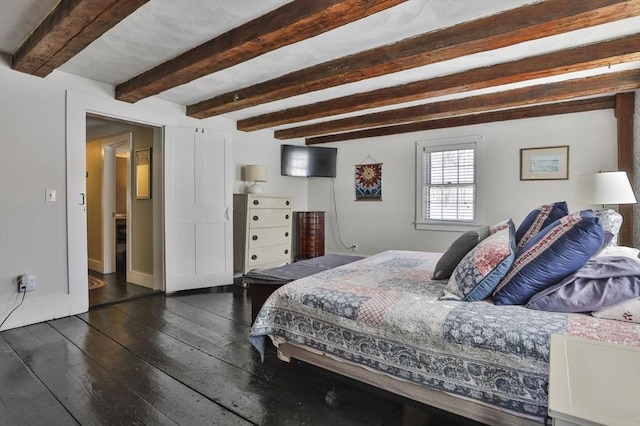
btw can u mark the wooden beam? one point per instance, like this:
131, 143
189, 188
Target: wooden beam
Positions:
624, 115
511, 27
286, 25
596, 55
69, 28
542, 93
606, 102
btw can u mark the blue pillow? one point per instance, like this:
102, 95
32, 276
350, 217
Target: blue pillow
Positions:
555, 252
482, 268
539, 219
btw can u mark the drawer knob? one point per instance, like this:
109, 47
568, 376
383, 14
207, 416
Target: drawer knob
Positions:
287, 203
286, 216
286, 234
286, 252
256, 202
254, 238
254, 257
255, 218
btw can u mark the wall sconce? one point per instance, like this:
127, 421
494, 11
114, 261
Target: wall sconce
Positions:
255, 173
607, 188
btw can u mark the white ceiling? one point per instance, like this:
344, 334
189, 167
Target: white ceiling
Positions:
162, 29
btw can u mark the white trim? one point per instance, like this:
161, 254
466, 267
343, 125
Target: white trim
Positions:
108, 207
78, 106
142, 279
157, 191
447, 226
95, 265
110, 153
451, 143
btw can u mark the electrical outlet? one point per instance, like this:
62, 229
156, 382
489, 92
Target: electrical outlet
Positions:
26, 283
354, 247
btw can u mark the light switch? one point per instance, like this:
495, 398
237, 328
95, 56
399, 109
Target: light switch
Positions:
50, 195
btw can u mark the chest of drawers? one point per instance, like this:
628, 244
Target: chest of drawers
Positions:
261, 232
309, 235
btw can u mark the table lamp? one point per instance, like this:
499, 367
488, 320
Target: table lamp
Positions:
255, 173
607, 188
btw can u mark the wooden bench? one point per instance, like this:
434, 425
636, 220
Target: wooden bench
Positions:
263, 282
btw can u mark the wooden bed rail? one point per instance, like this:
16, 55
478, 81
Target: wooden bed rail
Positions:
461, 406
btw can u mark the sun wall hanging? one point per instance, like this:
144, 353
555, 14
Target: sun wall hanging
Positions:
369, 181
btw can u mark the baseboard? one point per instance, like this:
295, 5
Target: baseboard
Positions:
140, 278
96, 265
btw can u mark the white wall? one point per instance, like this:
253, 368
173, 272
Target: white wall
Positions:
261, 148
377, 226
33, 234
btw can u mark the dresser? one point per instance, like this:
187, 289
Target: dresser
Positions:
309, 232
261, 232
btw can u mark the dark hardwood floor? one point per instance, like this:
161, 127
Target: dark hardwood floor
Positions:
180, 359
117, 288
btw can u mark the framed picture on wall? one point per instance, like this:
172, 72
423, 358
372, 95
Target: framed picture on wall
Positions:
547, 163
369, 182
143, 173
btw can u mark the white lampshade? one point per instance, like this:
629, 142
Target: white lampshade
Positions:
255, 173
606, 188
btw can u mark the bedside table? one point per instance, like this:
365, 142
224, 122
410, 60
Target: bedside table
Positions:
593, 383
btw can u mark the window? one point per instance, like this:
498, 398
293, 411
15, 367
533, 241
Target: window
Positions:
447, 190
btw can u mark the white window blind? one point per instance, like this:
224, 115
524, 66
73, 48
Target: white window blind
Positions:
448, 185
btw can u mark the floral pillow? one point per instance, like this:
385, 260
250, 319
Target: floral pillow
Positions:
482, 268
539, 219
501, 225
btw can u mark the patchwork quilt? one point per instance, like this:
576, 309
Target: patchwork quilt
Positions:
384, 312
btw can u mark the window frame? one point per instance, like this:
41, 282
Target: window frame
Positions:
475, 142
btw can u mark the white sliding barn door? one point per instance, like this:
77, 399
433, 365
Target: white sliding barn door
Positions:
198, 200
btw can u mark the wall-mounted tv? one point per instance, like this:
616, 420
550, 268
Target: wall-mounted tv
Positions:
308, 161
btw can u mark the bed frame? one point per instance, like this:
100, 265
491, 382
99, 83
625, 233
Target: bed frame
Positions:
461, 406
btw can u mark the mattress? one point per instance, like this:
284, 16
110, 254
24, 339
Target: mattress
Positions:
383, 312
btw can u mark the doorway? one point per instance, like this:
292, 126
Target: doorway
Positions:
120, 245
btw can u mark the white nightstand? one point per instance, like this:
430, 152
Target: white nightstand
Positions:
593, 383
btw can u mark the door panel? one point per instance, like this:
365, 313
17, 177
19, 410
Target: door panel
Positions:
198, 228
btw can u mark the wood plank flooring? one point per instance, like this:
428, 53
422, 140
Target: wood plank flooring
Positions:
117, 288
182, 359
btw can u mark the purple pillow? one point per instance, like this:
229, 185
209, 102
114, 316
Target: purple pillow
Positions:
555, 252
539, 219
602, 282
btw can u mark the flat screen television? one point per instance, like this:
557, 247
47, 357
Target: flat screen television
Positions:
308, 161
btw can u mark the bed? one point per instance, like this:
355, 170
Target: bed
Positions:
381, 320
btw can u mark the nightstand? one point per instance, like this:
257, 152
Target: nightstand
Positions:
593, 383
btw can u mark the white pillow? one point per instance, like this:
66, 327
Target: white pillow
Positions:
631, 252
626, 311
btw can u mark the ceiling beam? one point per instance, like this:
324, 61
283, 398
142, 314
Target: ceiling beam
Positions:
595, 55
514, 26
69, 28
291, 23
616, 82
582, 105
